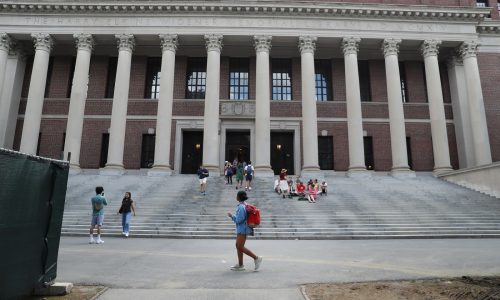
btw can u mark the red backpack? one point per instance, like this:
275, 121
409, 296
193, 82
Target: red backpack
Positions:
253, 215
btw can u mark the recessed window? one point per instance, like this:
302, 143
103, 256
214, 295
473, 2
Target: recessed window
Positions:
364, 81
323, 71
404, 84
71, 76
481, 3
110, 82
238, 78
282, 79
196, 78
152, 90
49, 77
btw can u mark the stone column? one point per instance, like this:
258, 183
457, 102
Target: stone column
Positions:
11, 96
211, 129
126, 43
307, 46
84, 44
164, 117
36, 92
461, 118
440, 146
396, 112
482, 151
262, 162
350, 46
5, 46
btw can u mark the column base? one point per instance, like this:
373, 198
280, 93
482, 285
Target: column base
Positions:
74, 169
403, 173
358, 172
213, 169
264, 171
112, 170
311, 173
160, 171
441, 170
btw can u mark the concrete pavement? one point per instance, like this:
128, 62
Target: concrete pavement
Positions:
199, 269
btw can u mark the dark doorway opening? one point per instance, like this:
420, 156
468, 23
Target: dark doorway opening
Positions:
282, 152
408, 153
104, 150
237, 145
368, 142
148, 151
192, 151
325, 152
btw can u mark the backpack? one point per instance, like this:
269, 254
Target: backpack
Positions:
249, 170
253, 215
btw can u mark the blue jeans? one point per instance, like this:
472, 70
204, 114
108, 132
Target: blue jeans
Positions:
126, 221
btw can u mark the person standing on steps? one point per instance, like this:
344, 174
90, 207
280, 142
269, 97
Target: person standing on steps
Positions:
202, 175
239, 175
126, 210
98, 202
242, 230
249, 173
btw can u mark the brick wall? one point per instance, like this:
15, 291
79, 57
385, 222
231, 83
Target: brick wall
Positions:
98, 75
338, 78
133, 142
338, 130
60, 77
224, 78
415, 80
90, 151
382, 154
378, 83
180, 77
138, 77
296, 80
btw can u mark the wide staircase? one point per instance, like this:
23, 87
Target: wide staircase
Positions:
355, 208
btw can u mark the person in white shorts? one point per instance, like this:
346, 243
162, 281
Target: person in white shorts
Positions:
202, 175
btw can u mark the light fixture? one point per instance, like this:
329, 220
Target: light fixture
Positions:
197, 146
278, 146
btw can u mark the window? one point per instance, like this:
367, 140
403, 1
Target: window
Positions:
104, 150
323, 70
368, 143
404, 85
408, 152
71, 75
196, 78
364, 81
325, 152
110, 82
49, 76
481, 3
148, 151
153, 74
282, 79
238, 78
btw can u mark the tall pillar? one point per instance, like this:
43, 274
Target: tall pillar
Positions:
307, 46
126, 43
440, 146
262, 162
482, 151
461, 118
396, 112
350, 46
5, 45
11, 96
164, 117
33, 114
84, 44
211, 131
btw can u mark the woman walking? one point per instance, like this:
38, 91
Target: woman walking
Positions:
126, 208
239, 175
242, 230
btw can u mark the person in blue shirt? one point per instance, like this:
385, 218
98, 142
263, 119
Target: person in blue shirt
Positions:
242, 230
98, 202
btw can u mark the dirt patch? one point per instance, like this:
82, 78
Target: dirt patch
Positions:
464, 288
78, 292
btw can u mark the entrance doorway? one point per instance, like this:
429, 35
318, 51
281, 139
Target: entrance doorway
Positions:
237, 145
282, 152
192, 151
148, 151
325, 152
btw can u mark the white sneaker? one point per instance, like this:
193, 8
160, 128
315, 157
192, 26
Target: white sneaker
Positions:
250, 188
238, 268
91, 241
99, 241
126, 234
258, 261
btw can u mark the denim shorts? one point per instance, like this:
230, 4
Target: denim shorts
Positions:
97, 220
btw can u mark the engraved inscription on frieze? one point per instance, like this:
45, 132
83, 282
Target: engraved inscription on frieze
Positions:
238, 109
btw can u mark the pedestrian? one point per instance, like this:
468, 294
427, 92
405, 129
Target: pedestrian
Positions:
239, 175
202, 175
242, 230
98, 203
324, 188
228, 172
249, 172
128, 206
284, 183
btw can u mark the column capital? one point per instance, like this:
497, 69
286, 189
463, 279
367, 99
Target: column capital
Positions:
262, 43
213, 42
454, 61
84, 41
169, 42
430, 48
43, 41
391, 46
5, 41
17, 50
468, 49
125, 42
307, 44
350, 45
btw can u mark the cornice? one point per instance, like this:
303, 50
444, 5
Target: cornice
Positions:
276, 9
488, 27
